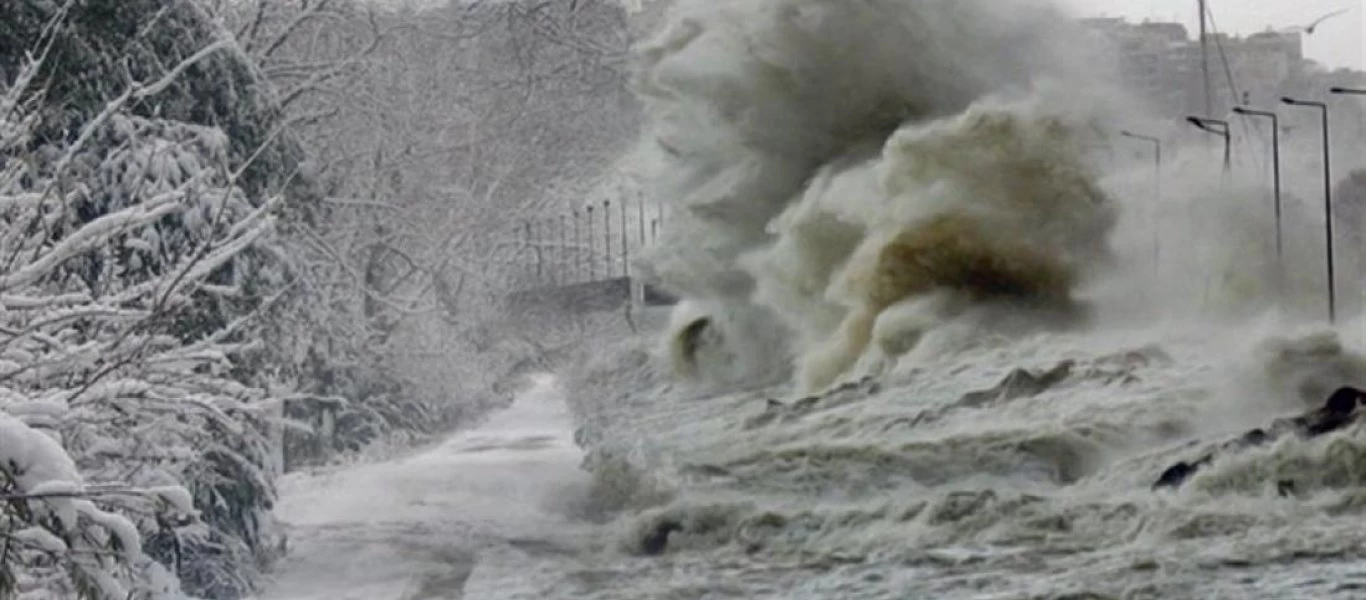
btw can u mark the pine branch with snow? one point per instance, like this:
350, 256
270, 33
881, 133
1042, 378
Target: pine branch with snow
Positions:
122, 419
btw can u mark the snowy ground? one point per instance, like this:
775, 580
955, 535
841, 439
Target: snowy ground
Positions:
440, 523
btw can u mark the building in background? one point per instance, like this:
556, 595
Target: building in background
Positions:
1160, 62
1149, 59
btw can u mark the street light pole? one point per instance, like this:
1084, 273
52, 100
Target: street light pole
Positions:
1219, 128
1275, 169
1157, 157
1327, 200
1346, 91
1157, 186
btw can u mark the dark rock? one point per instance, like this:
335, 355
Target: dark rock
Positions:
1338, 411
1343, 401
1175, 475
1178, 473
657, 540
1256, 437
1285, 487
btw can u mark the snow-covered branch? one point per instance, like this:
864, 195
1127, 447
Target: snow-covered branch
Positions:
122, 412
92, 235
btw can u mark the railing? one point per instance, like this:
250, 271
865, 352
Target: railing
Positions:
592, 244
582, 259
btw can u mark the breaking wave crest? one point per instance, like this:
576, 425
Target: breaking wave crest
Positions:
848, 176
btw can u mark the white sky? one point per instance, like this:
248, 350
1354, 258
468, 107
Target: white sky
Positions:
1337, 42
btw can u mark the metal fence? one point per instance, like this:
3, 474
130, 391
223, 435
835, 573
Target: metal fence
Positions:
591, 244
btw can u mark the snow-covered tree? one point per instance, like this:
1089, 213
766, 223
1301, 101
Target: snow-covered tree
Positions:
434, 133
137, 282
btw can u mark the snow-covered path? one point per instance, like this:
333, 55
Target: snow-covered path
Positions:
420, 527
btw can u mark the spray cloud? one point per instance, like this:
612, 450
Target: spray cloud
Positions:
842, 170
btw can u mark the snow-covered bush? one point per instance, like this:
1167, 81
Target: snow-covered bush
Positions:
57, 541
130, 448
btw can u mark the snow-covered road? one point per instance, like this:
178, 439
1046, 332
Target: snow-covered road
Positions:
437, 524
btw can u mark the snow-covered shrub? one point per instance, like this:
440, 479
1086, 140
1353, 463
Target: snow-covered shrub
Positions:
210, 308
128, 437
57, 541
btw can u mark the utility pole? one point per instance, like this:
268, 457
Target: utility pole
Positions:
1204, 58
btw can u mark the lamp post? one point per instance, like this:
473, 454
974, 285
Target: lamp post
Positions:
1157, 158
1346, 91
1275, 168
1327, 200
1157, 185
1219, 128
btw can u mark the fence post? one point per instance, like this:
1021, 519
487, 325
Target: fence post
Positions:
551, 273
625, 252
542, 264
531, 241
654, 229
565, 277
278, 455
329, 426
592, 264
578, 246
607, 238
526, 241
547, 228
640, 214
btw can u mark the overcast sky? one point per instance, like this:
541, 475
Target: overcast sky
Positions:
1337, 42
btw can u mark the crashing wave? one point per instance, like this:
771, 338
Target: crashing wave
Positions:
853, 173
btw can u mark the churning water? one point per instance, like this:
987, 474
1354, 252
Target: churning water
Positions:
1018, 468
